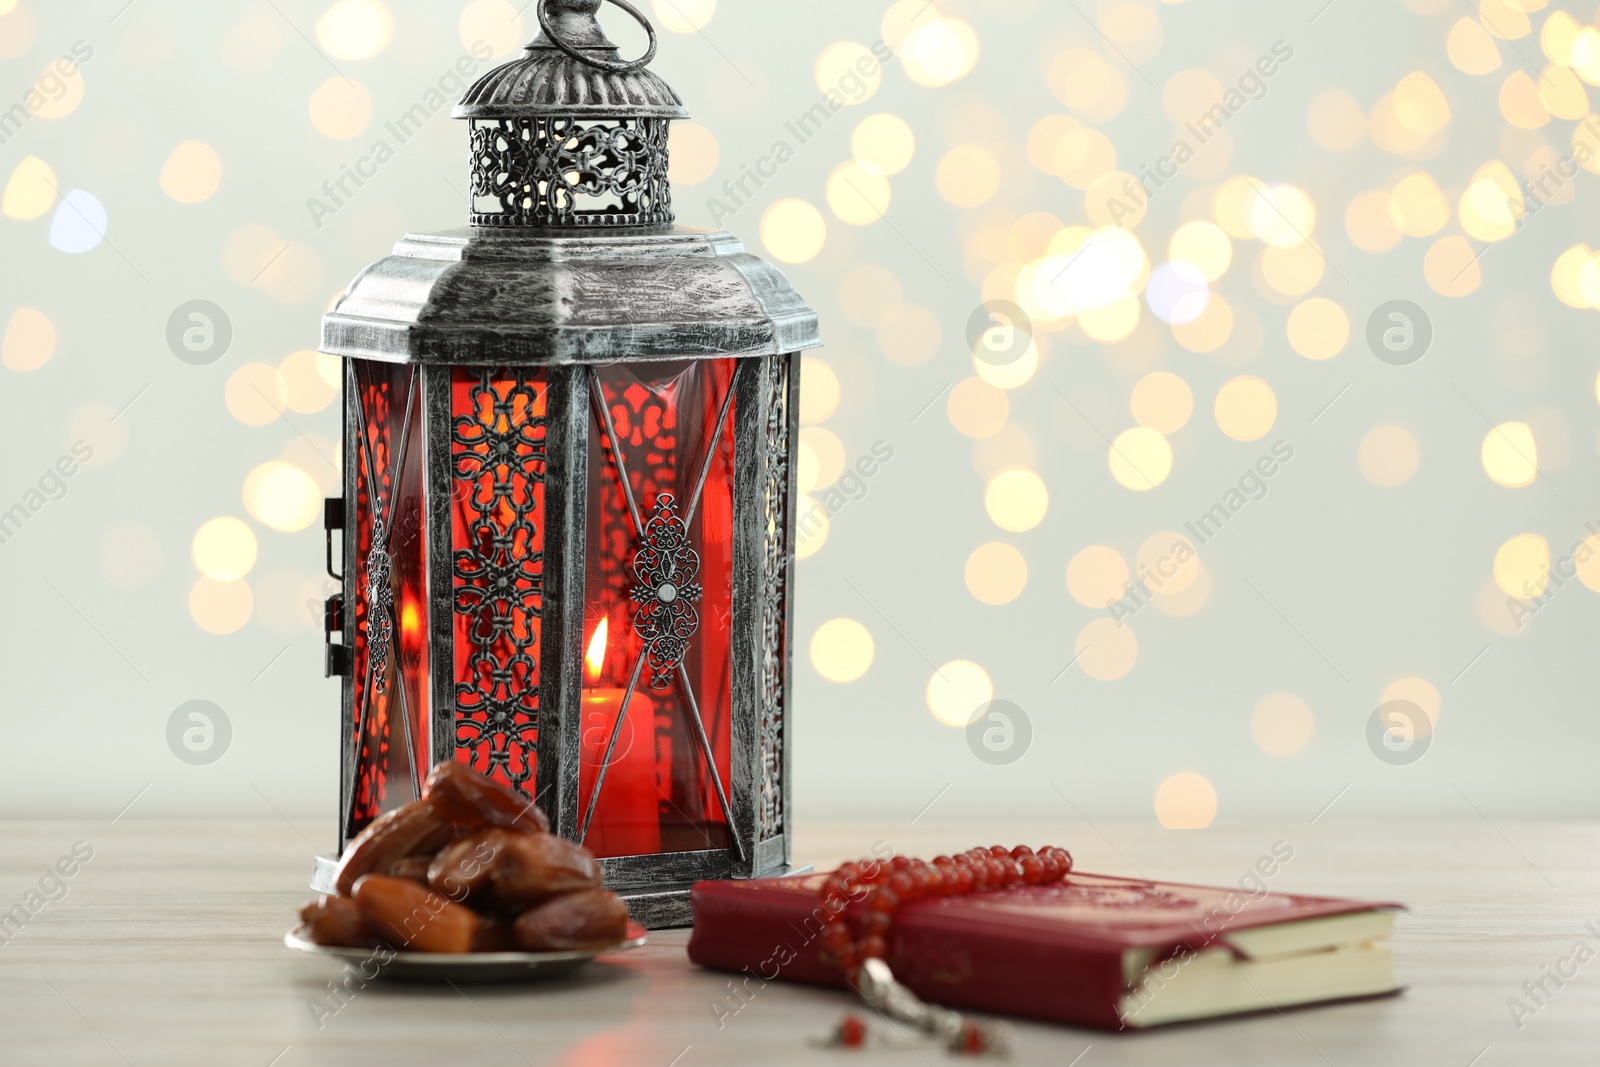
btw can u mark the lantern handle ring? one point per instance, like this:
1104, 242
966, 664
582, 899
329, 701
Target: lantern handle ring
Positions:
615, 66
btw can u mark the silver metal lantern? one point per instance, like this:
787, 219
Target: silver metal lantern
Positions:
570, 435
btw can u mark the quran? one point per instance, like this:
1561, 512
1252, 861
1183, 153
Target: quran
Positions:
1091, 950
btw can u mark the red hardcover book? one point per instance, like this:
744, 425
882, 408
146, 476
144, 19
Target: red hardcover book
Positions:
1092, 950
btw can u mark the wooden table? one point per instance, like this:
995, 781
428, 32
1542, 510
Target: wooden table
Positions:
167, 951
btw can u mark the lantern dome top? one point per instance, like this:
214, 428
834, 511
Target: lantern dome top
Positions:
572, 70
572, 135
572, 256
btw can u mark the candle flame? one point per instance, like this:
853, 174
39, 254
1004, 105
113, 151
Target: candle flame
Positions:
596, 657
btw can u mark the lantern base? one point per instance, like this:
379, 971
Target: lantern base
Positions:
667, 907
659, 908
655, 907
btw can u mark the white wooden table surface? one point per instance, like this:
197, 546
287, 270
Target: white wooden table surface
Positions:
166, 951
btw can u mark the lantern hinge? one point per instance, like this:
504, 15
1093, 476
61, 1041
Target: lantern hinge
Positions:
332, 519
338, 655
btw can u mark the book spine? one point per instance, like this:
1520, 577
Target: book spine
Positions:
776, 936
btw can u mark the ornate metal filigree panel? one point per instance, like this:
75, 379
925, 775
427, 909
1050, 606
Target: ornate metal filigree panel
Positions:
562, 172
661, 547
666, 568
498, 462
380, 601
372, 412
774, 601
386, 492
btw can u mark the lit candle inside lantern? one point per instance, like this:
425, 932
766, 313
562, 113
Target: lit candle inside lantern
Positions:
626, 818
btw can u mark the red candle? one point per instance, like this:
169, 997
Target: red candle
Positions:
626, 820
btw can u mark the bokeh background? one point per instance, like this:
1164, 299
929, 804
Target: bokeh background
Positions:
1429, 533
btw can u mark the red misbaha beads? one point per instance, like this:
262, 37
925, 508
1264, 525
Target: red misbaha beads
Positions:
884, 887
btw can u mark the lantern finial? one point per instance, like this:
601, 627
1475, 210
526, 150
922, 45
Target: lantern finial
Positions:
572, 27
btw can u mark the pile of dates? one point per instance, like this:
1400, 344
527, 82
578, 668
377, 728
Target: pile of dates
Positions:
469, 868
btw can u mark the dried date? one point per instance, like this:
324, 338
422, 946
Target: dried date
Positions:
494, 935
411, 868
338, 922
414, 829
462, 870
414, 916
470, 800
532, 868
590, 919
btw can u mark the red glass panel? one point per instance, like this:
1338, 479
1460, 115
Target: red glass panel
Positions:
497, 451
658, 603
390, 678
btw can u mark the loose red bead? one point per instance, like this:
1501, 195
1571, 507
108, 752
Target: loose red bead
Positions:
852, 1032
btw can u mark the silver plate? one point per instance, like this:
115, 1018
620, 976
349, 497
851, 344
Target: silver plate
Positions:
476, 967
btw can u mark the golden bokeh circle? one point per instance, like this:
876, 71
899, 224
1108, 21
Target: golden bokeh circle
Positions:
1186, 801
